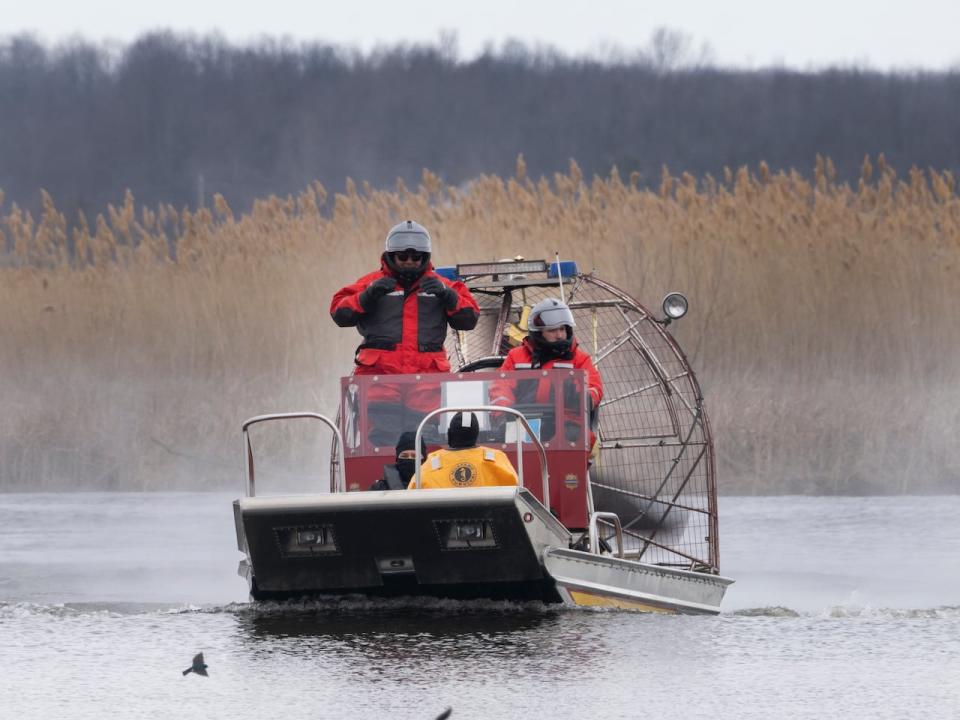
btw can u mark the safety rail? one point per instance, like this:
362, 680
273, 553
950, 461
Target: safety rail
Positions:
544, 477
336, 484
595, 535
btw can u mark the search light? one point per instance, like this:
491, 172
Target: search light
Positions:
509, 267
675, 305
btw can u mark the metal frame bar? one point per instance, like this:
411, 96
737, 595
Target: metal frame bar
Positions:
632, 393
614, 520
503, 317
647, 441
641, 496
249, 476
616, 342
635, 554
544, 477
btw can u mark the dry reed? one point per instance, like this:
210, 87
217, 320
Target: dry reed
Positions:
823, 317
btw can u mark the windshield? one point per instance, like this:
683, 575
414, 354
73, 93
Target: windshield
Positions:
376, 409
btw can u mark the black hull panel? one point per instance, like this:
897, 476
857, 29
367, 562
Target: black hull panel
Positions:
535, 591
395, 544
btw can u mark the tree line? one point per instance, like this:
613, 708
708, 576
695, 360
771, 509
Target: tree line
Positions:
178, 118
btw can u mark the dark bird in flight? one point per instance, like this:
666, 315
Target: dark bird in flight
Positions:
199, 666
445, 714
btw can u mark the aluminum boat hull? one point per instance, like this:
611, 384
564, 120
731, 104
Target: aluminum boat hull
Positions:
497, 543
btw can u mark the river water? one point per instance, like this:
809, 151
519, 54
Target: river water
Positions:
842, 607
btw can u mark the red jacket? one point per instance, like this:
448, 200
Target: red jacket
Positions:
406, 330
522, 358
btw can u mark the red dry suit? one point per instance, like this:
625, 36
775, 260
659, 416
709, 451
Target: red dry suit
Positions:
507, 392
403, 333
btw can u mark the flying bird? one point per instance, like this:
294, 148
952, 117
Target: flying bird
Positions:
445, 714
199, 666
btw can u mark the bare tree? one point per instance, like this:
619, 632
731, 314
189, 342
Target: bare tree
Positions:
86, 121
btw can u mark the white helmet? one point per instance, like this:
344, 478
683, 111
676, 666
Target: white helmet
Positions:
408, 235
550, 314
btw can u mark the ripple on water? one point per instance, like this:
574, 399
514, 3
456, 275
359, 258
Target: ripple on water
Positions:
360, 605
946, 612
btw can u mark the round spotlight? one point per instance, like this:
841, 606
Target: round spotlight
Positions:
675, 305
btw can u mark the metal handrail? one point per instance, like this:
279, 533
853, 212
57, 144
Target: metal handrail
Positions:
335, 486
544, 478
595, 537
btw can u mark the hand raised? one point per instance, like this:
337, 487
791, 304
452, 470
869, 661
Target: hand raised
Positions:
435, 286
376, 290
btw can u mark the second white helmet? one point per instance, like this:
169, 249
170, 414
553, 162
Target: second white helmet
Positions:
550, 314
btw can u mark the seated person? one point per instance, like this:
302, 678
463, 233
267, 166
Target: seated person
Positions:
398, 475
550, 343
465, 464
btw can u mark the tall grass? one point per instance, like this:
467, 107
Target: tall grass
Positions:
823, 326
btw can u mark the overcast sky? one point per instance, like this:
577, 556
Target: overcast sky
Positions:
802, 34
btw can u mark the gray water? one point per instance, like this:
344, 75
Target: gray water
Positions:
842, 607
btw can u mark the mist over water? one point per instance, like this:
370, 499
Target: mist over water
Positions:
845, 606
814, 554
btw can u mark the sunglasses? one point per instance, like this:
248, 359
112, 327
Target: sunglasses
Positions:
404, 255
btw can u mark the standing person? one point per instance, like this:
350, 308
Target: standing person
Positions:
549, 344
464, 463
402, 312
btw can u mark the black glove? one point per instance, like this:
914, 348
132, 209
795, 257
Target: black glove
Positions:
376, 290
435, 286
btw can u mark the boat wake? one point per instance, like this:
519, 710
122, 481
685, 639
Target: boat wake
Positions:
359, 606
944, 612
17, 610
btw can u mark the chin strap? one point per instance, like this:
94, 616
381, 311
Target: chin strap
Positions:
560, 350
406, 277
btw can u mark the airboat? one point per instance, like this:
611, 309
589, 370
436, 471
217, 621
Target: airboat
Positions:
615, 506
